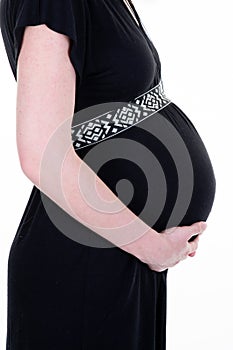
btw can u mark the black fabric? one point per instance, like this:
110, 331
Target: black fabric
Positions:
65, 295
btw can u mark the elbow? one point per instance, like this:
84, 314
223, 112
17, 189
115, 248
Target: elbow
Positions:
29, 165
30, 150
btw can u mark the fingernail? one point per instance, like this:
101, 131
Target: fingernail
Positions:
192, 254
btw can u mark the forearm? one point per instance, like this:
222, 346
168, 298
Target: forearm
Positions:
56, 174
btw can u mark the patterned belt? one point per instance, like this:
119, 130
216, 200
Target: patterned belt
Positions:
118, 120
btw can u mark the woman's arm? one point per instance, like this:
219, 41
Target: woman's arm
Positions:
45, 100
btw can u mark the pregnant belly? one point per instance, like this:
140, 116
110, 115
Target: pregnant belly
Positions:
159, 168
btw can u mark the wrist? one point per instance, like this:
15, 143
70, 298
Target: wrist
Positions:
145, 247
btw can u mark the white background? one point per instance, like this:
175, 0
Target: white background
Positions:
194, 42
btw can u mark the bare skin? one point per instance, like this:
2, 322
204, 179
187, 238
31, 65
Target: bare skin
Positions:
45, 99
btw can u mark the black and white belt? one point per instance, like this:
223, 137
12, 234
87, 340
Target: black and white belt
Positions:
111, 123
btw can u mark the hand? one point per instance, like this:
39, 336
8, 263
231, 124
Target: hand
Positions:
173, 246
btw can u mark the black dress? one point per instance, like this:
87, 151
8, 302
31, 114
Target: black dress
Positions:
65, 295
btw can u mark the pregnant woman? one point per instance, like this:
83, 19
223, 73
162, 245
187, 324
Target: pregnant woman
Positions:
123, 183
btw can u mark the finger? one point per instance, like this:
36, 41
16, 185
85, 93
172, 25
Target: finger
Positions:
192, 246
192, 254
195, 229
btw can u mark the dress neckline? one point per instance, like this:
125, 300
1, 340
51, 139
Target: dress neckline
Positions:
141, 29
139, 25
130, 9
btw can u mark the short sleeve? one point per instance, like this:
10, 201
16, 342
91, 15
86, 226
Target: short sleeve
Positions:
63, 16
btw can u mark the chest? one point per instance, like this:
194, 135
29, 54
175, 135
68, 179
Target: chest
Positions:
120, 61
